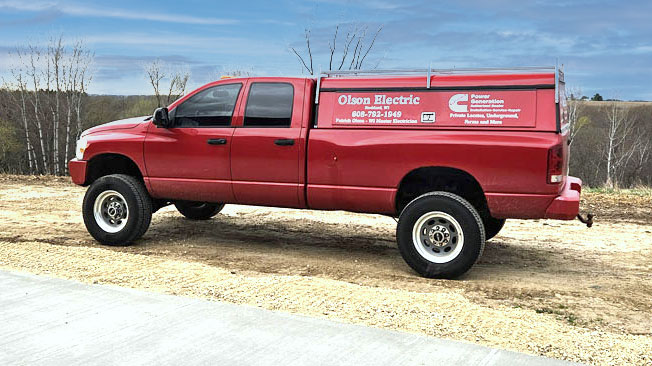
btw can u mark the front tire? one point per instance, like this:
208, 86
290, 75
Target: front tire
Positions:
198, 210
117, 209
440, 235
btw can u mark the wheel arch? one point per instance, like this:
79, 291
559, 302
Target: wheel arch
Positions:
440, 178
111, 163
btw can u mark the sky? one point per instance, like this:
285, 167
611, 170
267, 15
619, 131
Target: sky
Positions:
605, 46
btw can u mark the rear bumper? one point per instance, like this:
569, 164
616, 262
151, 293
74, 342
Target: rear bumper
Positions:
77, 169
566, 206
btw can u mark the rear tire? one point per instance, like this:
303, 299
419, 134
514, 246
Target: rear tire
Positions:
492, 226
117, 209
440, 235
198, 210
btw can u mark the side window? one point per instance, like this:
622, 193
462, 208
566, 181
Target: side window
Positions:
269, 105
211, 107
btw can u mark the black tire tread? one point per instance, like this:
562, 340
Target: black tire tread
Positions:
465, 203
143, 205
204, 214
144, 202
457, 266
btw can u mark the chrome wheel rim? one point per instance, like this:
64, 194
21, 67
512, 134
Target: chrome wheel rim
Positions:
111, 211
437, 237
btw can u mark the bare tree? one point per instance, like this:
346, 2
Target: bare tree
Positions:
308, 66
155, 75
83, 79
21, 86
176, 76
178, 82
576, 117
77, 76
641, 159
236, 72
352, 52
622, 140
33, 73
48, 87
53, 77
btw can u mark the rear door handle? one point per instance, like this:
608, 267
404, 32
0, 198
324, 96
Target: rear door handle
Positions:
216, 141
284, 142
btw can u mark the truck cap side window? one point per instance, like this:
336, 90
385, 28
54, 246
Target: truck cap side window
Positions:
208, 108
269, 105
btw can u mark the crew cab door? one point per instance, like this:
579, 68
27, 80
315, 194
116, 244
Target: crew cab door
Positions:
191, 160
267, 154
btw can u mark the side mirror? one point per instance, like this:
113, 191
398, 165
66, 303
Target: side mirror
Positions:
161, 118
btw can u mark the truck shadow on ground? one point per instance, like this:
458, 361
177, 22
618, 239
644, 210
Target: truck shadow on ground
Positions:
207, 240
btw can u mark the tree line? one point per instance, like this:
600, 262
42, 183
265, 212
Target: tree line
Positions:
42, 105
45, 105
611, 143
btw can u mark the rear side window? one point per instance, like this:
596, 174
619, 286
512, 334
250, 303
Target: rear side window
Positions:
269, 105
208, 108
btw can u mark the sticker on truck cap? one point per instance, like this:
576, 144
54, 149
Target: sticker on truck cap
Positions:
481, 108
427, 117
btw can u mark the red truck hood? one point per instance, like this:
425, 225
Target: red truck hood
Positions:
118, 125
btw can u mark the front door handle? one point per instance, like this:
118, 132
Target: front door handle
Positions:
216, 141
284, 142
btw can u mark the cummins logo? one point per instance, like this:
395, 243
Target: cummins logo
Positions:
454, 103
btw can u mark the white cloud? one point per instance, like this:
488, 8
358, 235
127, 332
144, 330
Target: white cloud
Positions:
90, 11
184, 44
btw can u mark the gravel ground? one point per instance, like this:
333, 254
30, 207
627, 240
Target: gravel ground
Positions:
543, 287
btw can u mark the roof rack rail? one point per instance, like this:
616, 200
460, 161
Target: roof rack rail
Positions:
475, 70
431, 71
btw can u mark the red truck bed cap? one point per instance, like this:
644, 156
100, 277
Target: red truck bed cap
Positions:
438, 78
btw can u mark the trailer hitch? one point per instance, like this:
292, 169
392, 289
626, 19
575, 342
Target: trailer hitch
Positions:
588, 220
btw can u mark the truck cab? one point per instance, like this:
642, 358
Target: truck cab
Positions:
230, 131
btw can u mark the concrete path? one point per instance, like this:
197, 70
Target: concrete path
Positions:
45, 321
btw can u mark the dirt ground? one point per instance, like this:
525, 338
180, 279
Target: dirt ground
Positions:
542, 287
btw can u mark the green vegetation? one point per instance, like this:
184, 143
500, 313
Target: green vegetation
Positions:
106, 108
97, 109
10, 148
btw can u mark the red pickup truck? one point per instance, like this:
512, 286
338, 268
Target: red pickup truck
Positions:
450, 153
